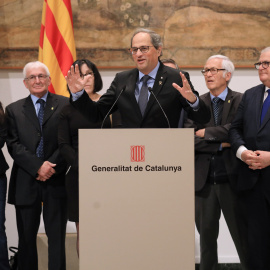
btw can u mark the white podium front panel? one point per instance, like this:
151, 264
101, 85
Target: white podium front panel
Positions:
136, 199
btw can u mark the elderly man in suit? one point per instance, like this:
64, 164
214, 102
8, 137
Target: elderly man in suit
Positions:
250, 140
38, 172
214, 166
145, 96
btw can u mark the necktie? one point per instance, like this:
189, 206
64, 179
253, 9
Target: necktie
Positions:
266, 105
216, 101
39, 151
143, 98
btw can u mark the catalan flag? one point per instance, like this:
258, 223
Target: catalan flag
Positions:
56, 45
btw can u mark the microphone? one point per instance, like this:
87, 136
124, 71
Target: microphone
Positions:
124, 88
151, 91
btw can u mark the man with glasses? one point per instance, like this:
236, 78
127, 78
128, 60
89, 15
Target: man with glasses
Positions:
145, 96
215, 166
37, 182
250, 140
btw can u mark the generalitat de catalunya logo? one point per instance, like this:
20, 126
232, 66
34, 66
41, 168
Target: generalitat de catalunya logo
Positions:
137, 153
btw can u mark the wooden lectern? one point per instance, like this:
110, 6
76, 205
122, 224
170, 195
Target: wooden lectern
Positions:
136, 199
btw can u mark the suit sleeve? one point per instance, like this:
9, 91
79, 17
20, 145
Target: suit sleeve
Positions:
3, 134
188, 79
96, 111
236, 137
58, 159
218, 134
202, 144
20, 154
202, 115
65, 144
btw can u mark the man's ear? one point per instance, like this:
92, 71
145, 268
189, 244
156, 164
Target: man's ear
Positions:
228, 76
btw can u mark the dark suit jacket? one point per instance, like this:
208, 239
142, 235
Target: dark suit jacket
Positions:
170, 99
3, 134
22, 140
214, 136
246, 130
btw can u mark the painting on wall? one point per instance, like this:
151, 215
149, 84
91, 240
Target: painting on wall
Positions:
191, 30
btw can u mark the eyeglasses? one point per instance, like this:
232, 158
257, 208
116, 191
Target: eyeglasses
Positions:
86, 74
32, 78
265, 64
143, 49
213, 71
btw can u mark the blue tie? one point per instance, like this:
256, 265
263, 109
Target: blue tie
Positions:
265, 107
143, 98
216, 101
40, 151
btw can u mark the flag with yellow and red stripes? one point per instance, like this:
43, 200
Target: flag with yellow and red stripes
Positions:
56, 45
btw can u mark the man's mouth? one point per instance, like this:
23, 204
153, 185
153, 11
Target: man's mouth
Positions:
140, 60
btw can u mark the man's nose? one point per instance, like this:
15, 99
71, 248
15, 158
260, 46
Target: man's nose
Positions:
208, 73
261, 67
139, 53
37, 79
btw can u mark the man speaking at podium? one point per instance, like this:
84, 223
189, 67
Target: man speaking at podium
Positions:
148, 96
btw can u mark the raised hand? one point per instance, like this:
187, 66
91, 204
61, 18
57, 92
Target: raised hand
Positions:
185, 91
75, 81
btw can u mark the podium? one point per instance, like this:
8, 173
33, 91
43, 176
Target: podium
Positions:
136, 201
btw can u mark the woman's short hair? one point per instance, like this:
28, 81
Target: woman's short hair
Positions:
98, 80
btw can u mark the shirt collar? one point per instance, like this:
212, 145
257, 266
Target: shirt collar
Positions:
152, 74
35, 99
222, 96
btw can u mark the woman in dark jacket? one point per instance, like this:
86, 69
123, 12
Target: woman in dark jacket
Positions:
71, 120
4, 265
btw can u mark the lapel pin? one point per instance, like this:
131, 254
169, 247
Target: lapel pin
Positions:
160, 82
229, 101
161, 78
52, 108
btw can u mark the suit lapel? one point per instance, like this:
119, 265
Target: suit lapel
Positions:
51, 106
159, 82
227, 107
30, 112
130, 90
259, 106
207, 100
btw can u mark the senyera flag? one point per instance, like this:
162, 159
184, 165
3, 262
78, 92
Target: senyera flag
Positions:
56, 46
